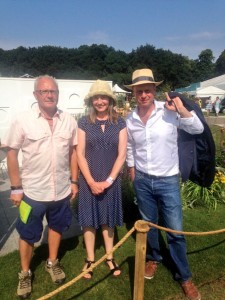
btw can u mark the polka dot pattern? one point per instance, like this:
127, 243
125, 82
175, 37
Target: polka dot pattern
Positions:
101, 153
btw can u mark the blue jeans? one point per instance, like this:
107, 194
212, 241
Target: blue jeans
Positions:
160, 196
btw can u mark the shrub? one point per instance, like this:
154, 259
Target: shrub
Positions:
195, 195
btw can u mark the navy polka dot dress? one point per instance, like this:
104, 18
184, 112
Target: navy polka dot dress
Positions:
101, 153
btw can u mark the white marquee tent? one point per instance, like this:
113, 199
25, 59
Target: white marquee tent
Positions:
210, 91
218, 82
117, 90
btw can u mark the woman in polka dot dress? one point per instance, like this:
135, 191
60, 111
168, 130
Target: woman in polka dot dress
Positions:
101, 151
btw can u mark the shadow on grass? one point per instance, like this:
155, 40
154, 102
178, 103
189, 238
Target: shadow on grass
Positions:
41, 252
129, 261
167, 261
131, 267
206, 248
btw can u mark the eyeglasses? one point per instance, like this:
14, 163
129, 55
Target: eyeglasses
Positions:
46, 92
140, 92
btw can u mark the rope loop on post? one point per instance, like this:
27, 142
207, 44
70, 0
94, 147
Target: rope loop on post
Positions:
142, 226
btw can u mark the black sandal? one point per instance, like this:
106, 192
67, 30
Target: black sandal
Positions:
116, 267
89, 263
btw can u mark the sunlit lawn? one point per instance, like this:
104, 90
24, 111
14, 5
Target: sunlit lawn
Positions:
205, 254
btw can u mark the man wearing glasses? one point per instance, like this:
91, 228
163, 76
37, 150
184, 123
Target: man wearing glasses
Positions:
47, 180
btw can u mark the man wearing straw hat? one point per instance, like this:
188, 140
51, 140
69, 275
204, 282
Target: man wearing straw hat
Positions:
152, 157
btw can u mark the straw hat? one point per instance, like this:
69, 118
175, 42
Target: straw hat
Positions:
142, 76
100, 87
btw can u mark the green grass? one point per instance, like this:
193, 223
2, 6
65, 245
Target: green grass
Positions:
205, 255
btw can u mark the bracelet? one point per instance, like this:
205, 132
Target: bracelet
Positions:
110, 180
19, 191
16, 187
74, 182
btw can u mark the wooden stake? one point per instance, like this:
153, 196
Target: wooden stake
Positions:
141, 238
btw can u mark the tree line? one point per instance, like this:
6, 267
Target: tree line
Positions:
103, 62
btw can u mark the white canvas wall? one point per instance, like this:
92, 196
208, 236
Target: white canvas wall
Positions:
16, 95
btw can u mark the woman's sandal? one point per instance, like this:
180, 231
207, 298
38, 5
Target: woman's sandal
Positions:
90, 273
115, 267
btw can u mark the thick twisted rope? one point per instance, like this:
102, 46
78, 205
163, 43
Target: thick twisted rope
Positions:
200, 233
71, 282
140, 226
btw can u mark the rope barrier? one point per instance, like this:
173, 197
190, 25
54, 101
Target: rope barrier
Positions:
186, 232
71, 282
140, 226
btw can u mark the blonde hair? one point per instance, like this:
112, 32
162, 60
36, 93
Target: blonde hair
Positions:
112, 114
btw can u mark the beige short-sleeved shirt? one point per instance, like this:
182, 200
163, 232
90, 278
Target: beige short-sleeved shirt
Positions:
45, 169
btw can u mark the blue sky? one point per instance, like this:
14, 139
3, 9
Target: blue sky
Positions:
183, 26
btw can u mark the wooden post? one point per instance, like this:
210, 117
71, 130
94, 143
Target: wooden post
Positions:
142, 228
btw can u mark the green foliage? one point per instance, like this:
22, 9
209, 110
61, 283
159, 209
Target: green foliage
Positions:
194, 195
120, 99
103, 62
133, 103
220, 64
205, 67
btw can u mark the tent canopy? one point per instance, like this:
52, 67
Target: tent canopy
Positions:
117, 89
210, 91
191, 89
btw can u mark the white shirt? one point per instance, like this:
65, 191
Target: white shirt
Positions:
152, 148
45, 169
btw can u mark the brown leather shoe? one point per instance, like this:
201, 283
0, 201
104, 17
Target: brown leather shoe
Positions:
190, 290
150, 269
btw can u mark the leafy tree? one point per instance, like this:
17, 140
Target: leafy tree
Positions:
143, 56
103, 62
92, 58
204, 65
116, 62
220, 64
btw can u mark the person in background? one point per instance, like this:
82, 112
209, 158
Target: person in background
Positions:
198, 102
101, 153
152, 157
208, 106
217, 106
47, 137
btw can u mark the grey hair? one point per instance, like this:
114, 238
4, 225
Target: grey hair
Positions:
44, 76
